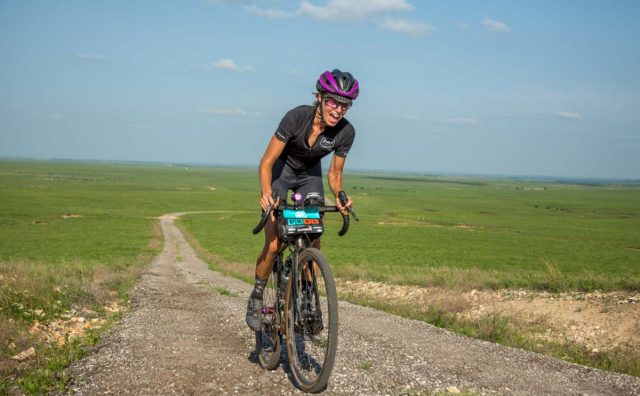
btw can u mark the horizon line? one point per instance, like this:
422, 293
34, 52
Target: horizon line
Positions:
354, 170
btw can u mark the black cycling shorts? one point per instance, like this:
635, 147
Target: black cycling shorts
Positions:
285, 178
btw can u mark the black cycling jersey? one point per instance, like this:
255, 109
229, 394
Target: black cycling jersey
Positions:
294, 130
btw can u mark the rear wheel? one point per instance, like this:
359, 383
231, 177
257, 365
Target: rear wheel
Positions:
311, 321
269, 338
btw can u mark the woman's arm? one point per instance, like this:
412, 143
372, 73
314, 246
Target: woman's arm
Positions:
274, 149
334, 177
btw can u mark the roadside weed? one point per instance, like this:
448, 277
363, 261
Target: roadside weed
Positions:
223, 291
366, 365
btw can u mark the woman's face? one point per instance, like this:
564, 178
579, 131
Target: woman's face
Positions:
332, 110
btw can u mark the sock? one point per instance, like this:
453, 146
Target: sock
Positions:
258, 288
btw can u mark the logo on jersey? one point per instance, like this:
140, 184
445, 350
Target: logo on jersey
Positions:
327, 143
281, 135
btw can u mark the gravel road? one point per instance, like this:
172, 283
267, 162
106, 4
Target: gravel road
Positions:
186, 335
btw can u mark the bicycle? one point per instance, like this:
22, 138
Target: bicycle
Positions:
300, 301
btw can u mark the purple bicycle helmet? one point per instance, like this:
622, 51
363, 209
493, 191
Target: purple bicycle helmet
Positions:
338, 83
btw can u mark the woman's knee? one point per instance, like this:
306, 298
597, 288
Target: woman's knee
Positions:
272, 246
271, 242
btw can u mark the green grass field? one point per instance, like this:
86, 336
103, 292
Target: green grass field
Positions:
75, 234
415, 230
466, 233
73, 237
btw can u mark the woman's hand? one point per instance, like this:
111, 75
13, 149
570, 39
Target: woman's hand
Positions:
344, 209
266, 200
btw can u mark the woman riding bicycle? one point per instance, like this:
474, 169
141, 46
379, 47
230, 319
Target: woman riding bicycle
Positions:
292, 162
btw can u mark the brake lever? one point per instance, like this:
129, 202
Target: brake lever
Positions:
343, 200
353, 213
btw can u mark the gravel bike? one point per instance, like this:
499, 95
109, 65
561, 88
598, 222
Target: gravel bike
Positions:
300, 302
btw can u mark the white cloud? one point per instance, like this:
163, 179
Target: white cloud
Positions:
569, 115
352, 10
495, 26
268, 13
235, 111
462, 121
349, 10
228, 64
412, 28
91, 57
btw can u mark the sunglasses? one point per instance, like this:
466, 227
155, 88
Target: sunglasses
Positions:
334, 104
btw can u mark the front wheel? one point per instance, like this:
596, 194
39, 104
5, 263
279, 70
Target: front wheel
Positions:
268, 339
311, 321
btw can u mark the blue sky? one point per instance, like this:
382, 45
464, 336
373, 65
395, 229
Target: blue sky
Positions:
547, 88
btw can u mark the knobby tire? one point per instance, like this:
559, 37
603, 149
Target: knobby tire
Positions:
269, 339
311, 343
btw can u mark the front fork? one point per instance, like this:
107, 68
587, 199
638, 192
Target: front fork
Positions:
308, 294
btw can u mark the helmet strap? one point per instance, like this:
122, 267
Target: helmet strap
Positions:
319, 110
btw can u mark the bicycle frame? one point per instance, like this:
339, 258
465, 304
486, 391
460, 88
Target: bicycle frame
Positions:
305, 309
294, 247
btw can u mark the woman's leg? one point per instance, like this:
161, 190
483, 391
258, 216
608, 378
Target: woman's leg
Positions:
264, 263
264, 266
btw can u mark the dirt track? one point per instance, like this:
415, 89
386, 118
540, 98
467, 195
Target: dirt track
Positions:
186, 335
